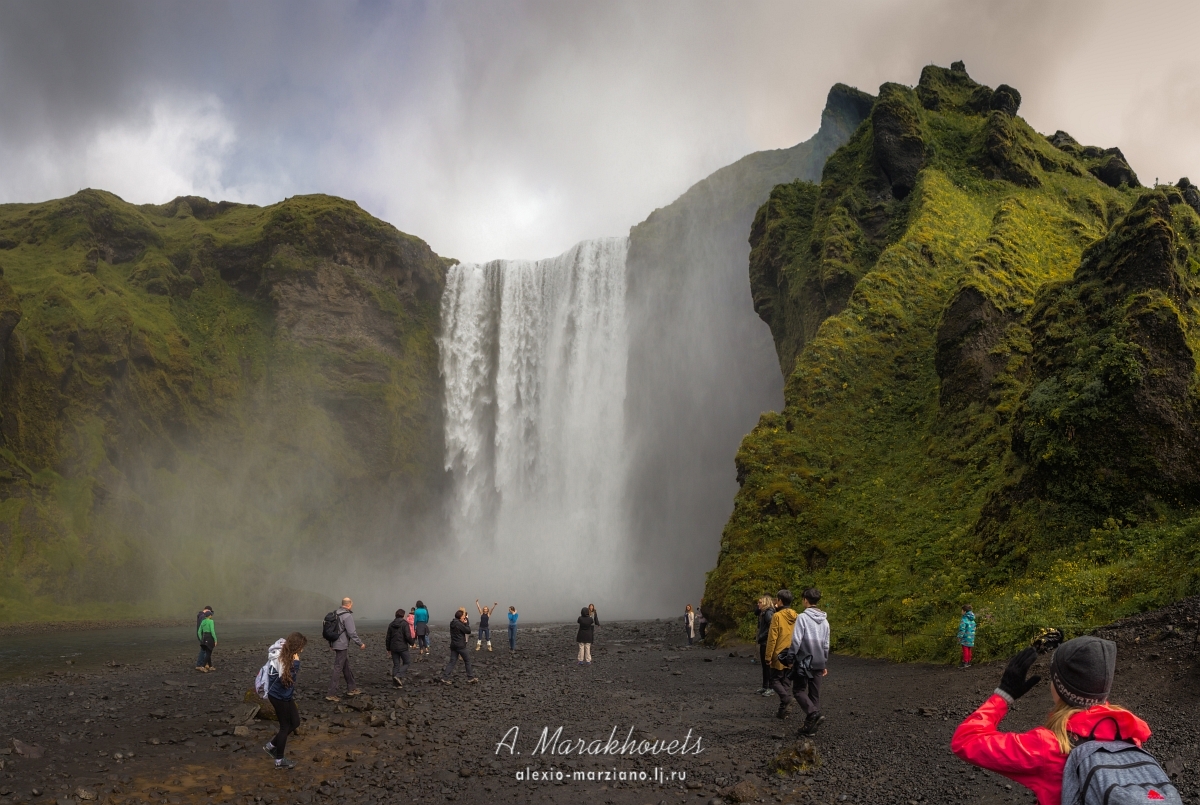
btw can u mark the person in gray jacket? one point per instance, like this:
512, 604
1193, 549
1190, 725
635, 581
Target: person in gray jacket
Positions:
810, 642
341, 652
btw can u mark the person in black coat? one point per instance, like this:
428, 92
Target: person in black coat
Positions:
587, 631
765, 609
460, 630
398, 641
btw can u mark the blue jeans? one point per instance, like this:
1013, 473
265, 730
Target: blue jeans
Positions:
205, 657
485, 634
512, 638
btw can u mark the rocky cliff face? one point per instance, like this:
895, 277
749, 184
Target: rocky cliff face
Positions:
700, 369
199, 389
988, 339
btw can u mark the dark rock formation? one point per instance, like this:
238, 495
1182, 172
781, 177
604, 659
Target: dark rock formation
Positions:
969, 330
898, 145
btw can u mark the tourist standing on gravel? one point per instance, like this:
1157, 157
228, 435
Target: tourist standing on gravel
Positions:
779, 637
810, 644
341, 651
512, 628
1081, 678
282, 672
701, 621
459, 630
206, 633
485, 620
421, 622
585, 635
689, 623
765, 610
966, 634
399, 639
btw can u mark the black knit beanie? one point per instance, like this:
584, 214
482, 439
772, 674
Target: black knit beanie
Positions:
1082, 670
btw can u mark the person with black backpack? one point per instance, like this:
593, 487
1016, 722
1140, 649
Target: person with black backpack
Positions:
1088, 752
398, 641
338, 629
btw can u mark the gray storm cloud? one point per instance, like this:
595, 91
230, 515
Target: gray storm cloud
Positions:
517, 130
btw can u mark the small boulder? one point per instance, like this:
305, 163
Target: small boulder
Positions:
1005, 99
85, 794
31, 751
744, 791
241, 731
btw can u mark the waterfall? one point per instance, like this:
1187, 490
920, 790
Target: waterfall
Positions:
533, 361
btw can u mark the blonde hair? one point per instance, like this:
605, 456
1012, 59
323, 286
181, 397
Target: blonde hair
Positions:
765, 602
1056, 722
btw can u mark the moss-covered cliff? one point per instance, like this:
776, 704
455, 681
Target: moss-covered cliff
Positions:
199, 390
988, 340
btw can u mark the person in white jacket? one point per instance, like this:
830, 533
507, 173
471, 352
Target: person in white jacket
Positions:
810, 642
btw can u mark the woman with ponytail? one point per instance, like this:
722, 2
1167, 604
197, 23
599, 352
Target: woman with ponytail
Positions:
1081, 678
282, 673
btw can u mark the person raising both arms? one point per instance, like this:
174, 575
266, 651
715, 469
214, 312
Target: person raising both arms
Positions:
1081, 679
485, 621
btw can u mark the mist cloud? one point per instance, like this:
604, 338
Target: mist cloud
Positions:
516, 130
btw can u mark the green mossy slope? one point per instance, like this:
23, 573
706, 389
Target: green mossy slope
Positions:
987, 336
195, 392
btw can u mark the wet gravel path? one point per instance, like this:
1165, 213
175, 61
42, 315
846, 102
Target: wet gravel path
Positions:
158, 733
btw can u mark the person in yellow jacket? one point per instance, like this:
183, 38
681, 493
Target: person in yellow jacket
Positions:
779, 637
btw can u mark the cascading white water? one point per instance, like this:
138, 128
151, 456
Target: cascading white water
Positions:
533, 360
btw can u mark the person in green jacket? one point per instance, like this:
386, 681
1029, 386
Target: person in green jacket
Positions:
206, 632
966, 634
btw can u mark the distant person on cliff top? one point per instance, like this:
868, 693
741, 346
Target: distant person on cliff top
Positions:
283, 670
399, 639
460, 629
765, 610
689, 623
810, 645
341, 651
421, 623
485, 621
1087, 746
966, 634
779, 637
206, 633
512, 628
585, 635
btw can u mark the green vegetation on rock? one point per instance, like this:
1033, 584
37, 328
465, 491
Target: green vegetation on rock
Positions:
988, 340
199, 390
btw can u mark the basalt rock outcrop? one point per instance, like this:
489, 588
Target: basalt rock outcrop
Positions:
988, 340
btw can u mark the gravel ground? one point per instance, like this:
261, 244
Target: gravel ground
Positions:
156, 733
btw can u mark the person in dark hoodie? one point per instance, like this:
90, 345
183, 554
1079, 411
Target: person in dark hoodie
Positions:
810, 643
398, 641
281, 691
460, 630
585, 635
765, 610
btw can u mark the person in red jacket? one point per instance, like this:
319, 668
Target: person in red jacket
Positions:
1081, 677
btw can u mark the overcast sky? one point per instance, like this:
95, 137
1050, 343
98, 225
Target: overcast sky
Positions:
516, 129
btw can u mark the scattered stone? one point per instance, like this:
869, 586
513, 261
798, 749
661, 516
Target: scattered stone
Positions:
745, 791
31, 751
85, 794
241, 731
800, 757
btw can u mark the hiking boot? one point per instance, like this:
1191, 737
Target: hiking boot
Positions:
782, 712
813, 723
200, 668
768, 692
210, 668
760, 691
332, 699
478, 644
489, 645
269, 748
355, 692
447, 681
473, 679
396, 679
284, 763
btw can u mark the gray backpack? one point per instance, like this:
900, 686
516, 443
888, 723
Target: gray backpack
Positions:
1115, 773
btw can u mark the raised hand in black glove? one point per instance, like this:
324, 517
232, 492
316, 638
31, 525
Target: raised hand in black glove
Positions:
1014, 682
